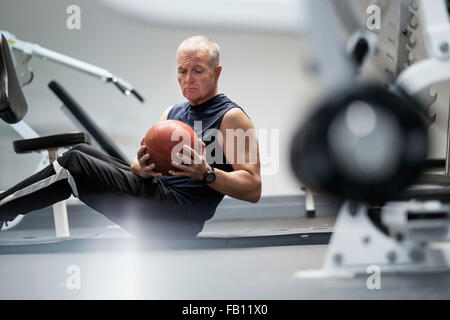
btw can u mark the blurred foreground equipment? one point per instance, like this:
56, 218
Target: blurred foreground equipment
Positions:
366, 139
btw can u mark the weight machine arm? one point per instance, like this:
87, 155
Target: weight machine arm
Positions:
36, 50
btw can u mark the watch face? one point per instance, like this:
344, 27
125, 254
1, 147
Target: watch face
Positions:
210, 177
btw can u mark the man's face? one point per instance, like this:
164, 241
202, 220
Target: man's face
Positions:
196, 76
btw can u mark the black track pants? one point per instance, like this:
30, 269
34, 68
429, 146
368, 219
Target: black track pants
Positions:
144, 207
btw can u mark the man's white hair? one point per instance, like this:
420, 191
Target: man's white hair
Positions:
196, 43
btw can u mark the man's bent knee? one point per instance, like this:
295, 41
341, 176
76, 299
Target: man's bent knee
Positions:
83, 147
73, 160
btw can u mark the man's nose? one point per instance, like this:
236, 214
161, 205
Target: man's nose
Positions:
189, 77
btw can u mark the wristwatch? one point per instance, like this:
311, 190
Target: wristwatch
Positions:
209, 176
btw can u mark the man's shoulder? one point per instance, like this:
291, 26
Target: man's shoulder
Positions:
172, 110
227, 105
235, 118
178, 106
235, 112
227, 101
234, 115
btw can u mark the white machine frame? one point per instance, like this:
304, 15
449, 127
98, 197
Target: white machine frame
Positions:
357, 242
26, 132
36, 50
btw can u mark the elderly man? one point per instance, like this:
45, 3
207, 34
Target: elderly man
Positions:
141, 200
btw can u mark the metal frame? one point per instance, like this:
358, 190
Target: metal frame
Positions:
435, 69
26, 50
357, 242
32, 49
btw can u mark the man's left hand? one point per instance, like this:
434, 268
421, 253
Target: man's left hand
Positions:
190, 163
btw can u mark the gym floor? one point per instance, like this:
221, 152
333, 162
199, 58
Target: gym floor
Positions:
113, 265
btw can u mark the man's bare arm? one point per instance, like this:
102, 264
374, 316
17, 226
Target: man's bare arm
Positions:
244, 182
165, 113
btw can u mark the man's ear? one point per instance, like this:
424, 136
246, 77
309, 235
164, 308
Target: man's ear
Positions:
218, 71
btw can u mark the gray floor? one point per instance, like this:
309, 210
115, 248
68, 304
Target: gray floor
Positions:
127, 270
255, 273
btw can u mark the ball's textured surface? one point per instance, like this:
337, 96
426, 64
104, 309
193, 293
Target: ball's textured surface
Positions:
160, 140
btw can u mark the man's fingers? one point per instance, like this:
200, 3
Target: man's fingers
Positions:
182, 158
150, 167
155, 174
182, 167
179, 173
203, 149
186, 160
143, 160
141, 152
149, 170
187, 150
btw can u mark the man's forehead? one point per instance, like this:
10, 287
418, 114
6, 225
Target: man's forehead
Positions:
196, 56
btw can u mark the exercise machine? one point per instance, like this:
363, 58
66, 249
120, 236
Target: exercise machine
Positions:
16, 54
367, 143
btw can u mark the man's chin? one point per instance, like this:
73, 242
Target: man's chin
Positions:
192, 98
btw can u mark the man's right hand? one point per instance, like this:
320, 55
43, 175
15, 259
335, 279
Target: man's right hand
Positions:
141, 166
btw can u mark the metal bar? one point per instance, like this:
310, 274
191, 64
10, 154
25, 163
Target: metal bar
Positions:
447, 154
59, 208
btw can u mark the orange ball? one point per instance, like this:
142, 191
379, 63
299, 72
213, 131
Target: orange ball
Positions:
162, 138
